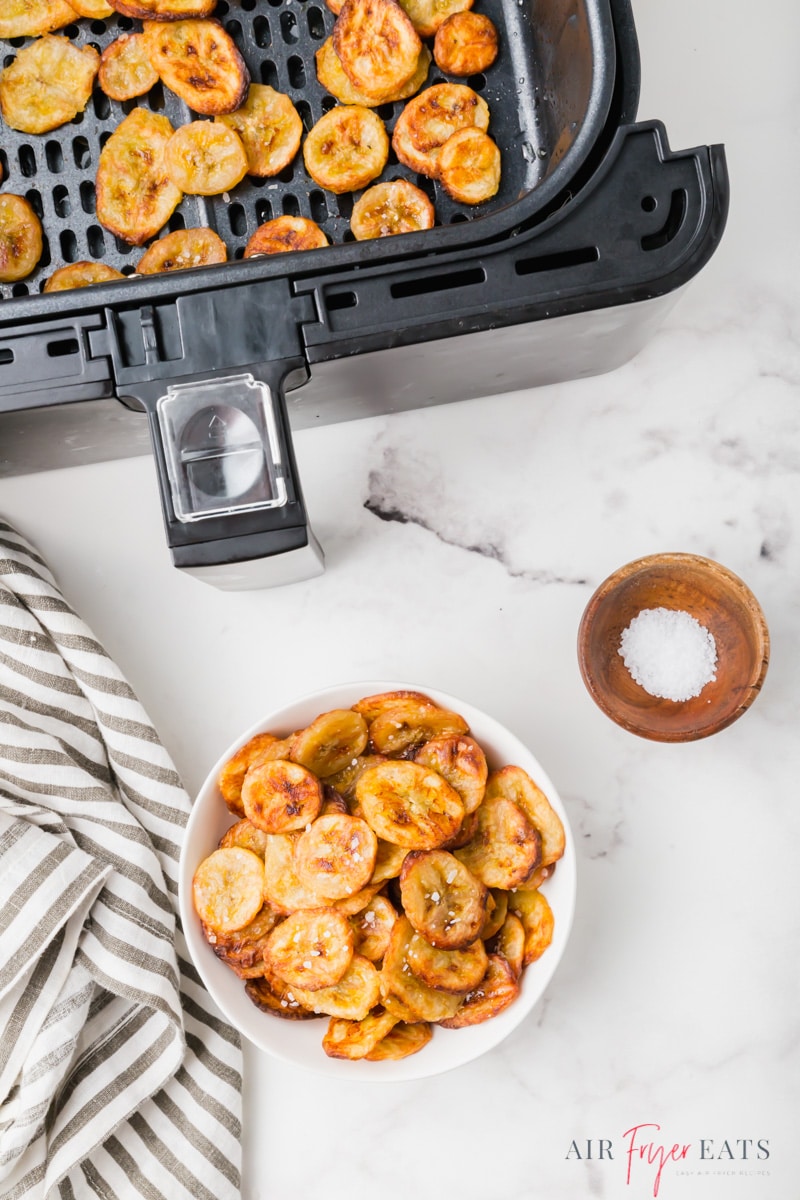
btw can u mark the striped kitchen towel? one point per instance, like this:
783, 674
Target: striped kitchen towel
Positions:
117, 1077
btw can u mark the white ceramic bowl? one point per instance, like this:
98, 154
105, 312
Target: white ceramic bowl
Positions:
300, 1042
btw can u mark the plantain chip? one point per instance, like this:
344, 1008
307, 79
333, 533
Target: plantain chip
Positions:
232, 773
391, 208
510, 942
493, 995
355, 1039
377, 46
164, 10
270, 128
20, 238
403, 1041
433, 116
351, 998
247, 835
462, 763
517, 785
371, 707
198, 61
465, 44
410, 723
537, 920
336, 855
505, 849
399, 981
243, 949
80, 275
409, 805
282, 886
447, 970
48, 83
135, 196
310, 949
346, 149
283, 234
280, 796
496, 911
227, 889
330, 742
331, 74
183, 250
277, 999
125, 68
205, 159
469, 166
442, 900
372, 928
427, 16
32, 18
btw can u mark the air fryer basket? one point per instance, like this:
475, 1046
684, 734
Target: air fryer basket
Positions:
548, 93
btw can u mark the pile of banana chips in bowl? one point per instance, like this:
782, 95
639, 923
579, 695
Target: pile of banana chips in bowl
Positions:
377, 882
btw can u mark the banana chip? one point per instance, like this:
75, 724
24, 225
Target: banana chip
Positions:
282, 234
47, 84
231, 776
496, 910
493, 995
447, 970
164, 10
243, 950
95, 10
355, 1039
205, 159
466, 833
32, 18
279, 796
517, 785
336, 855
409, 805
427, 16
398, 980
465, 44
198, 61
282, 887
372, 928
442, 900
469, 166
20, 238
228, 889
388, 861
510, 942
245, 834
462, 763
403, 1041
277, 999
270, 128
183, 250
537, 920
79, 275
351, 998
377, 46
331, 742
372, 706
135, 196
345, 780
311, 949
125, 68
332, 76
346, 149
430, 119
506, 848
411, 722
390, 208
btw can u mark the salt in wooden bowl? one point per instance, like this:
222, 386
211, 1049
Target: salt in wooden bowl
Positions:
719, 600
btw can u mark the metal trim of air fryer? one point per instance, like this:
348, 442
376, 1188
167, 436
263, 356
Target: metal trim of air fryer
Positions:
600, 17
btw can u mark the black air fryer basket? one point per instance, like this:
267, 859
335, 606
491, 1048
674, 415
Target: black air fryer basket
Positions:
596, 221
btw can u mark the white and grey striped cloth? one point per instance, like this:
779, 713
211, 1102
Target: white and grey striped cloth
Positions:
117, 1077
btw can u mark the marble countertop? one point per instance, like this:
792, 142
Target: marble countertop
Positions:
675, 1006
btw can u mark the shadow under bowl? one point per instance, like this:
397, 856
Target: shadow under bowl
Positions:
719, 600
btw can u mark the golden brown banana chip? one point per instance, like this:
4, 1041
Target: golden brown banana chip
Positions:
539, 876
517, 785
510, 942
427, 16
447, 970
371, 707
430, 119
47, 84
403, 1041
331, 75
95, 10
20, 238
345, 780
135, 196
389, 208
346, 149
277, 999
243, 950
270, 128
537, 919
311, 949
409, 805
282, 886
377, 45
496, 910
164, 10
492, 996
394, 1005
282, 234
330, 742
469, 166
227, 889
465, 44
245, 834
183, 250
462, 763
79, 275
355, 1039
32, 18
388, 861
411, 722
506, 848
231, 775
336, 855
351, 998
442, 900
205, 159
198, 61
125, 68
398, 980
279, 796
372, 928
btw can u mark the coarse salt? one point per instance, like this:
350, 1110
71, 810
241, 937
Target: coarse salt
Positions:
669, 653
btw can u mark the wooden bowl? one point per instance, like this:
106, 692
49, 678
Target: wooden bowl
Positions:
716, 598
